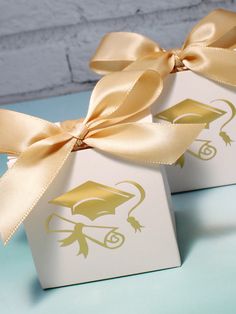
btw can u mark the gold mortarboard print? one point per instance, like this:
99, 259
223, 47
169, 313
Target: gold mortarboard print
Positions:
93, 199
191, 111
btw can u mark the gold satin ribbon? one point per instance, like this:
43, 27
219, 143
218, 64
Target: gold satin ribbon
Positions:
209, 50
110, 126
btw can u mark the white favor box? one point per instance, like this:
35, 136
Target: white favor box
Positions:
113, 218
210, 160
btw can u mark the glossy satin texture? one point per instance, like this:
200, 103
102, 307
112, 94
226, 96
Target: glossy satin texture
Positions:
110, 126
209, 50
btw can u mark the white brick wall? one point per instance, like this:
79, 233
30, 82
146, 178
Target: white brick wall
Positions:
45, 45
28, 68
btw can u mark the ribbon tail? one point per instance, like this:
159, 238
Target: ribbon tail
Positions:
18, 131
217, 64
180, 161
150, 143
77, 235
25, 183
69, 240
83, 245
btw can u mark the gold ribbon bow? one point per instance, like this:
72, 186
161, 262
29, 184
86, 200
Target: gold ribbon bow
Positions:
209, 50
110, 126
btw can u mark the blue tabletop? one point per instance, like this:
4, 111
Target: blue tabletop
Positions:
206, 282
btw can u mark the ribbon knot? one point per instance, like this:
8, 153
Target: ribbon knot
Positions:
79, 132
111, 126
117, 103
76, 129
179, 65
208, 50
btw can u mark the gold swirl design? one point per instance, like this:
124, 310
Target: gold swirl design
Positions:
114, 240
205, 152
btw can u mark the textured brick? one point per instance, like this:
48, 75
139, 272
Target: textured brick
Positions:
33, 69
27, 15
106, 9
45, 45
167, 28
79, 60
171, 35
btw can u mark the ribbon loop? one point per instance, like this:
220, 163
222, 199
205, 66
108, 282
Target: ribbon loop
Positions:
110, 58
117, 103
110, 126
215, 31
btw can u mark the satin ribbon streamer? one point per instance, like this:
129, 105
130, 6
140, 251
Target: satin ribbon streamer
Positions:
110, 126
209, 50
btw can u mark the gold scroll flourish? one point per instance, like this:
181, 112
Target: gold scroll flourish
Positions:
205, 152
112, 240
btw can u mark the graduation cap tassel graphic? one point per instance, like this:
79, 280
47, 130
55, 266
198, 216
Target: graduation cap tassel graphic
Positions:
131, 219
226, 138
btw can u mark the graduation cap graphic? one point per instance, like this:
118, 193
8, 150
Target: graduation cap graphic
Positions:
191, 111
93, 200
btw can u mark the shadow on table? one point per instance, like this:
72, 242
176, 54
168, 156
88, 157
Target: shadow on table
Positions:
191, 228
21, 236
37, 294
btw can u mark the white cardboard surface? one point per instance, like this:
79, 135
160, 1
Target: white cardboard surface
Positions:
153, 248
197, 173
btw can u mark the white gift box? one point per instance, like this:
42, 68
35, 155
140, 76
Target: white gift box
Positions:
101, 218
210, 160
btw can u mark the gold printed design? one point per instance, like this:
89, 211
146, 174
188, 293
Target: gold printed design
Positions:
205, 152
192, 111
131, 219
226, 138
93, 200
